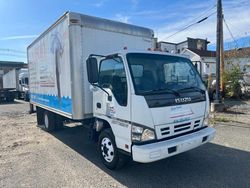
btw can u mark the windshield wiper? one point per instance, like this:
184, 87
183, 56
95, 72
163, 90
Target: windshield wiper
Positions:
160, 91
192, 88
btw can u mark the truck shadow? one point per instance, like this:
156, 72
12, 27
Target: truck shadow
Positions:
210, 165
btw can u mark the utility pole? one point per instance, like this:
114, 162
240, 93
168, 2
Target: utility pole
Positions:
222, 85
218, 50
217, 105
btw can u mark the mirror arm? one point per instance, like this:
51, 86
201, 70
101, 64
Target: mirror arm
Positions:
109, 96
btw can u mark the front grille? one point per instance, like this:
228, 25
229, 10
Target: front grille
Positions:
197, 123
182, 127
165, 131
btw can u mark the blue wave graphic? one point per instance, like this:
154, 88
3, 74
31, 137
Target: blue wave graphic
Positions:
65, 104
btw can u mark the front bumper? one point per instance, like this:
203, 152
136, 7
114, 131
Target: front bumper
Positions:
160, 150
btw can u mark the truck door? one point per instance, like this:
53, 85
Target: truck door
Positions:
112, 78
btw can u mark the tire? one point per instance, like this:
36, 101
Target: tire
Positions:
39, 116
7, 99
31, 111
49, 121
19, 96
26, 97
108, 151
10, 99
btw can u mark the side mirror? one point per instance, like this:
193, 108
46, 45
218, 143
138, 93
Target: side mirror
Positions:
92, 70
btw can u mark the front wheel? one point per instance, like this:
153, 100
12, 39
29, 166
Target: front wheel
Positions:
108, 151
26, 97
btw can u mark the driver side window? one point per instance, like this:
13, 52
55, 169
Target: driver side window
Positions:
112, 75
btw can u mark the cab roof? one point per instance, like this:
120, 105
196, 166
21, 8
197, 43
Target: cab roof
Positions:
124, 52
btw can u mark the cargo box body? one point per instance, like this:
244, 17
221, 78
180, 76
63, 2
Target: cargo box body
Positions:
10, 80
57, 60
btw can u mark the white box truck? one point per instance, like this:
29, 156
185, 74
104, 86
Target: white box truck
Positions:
15, 85
10, 79
137, 103
10, 84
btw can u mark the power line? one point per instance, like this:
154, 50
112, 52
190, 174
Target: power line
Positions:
188, 26
203, 13
241, 33
12, 50
236, 44
191, 24
14, 55
239, 5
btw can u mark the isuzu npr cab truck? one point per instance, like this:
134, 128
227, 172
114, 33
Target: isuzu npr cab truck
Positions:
136, 103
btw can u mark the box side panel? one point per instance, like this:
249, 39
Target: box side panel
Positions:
10, 79
49, 70
95, 41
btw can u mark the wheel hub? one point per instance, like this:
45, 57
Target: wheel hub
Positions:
107, 149
46, 121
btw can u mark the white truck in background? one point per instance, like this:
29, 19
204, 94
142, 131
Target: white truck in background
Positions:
10, 83
15, 85
136, 103
23, 84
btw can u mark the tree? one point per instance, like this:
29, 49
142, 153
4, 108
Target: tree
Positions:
231, 80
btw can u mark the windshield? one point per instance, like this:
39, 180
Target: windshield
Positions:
154, 73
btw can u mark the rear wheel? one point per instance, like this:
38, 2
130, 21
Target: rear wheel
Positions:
31, 111
49, 121
39, 116
108, 151
10, 98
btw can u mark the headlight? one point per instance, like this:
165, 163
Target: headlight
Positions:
136, 129
147, 135
141, 134
206, 121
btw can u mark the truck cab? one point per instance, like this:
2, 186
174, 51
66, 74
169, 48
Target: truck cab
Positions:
23, 86
148, 105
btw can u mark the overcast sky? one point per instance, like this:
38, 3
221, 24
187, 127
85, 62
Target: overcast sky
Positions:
23, 20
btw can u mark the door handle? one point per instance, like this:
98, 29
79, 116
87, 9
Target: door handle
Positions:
98, 105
